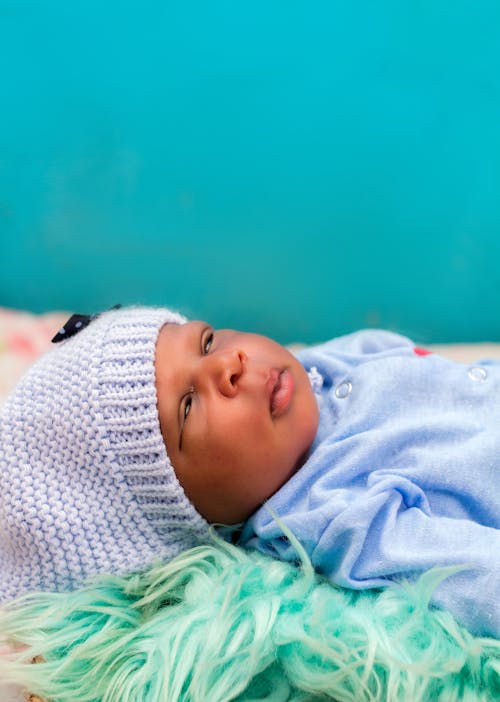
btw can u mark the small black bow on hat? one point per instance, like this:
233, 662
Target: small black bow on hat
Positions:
76, 323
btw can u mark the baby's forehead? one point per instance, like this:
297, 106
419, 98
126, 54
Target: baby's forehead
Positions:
176, 341
181, 331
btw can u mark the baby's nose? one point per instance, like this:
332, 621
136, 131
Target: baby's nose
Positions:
228, 368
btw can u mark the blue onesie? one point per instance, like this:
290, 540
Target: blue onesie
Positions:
403, 474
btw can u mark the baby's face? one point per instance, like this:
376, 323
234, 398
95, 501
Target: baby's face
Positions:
237, 413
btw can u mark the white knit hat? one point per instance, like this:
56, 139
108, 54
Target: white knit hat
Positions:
86, 485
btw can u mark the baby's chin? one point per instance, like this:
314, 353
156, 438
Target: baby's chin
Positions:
308, 411
302, 460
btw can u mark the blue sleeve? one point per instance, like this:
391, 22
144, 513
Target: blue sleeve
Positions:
387, 533
386, 538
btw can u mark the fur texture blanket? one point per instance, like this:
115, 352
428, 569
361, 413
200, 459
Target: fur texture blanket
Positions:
219, 624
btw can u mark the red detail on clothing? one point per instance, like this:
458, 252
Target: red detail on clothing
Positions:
421, 352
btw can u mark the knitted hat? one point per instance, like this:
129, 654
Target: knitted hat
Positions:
86, 485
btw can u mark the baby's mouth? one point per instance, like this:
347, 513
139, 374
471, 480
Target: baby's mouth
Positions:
281, 385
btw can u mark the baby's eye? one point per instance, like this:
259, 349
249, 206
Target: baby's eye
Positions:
207, 342
187, 407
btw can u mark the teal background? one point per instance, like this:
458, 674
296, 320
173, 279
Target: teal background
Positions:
301, 169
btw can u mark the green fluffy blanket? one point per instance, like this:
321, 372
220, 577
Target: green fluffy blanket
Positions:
219, 624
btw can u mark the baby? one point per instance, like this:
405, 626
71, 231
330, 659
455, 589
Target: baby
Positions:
380, 459
86, 484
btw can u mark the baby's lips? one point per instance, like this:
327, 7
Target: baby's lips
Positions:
281, 394
271, 382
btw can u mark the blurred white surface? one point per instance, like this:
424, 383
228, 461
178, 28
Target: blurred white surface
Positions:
10, 694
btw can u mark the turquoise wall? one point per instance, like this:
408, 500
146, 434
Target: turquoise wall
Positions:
298, 168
